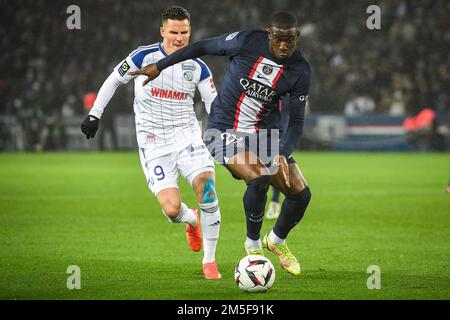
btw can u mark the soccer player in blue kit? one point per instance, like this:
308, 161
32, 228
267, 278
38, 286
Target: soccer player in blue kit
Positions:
264, 65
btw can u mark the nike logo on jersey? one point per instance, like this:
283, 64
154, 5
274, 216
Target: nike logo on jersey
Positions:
260, 76
168, 94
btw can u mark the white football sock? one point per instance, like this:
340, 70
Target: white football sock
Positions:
276, 239
253, 244
186, 215
210, 226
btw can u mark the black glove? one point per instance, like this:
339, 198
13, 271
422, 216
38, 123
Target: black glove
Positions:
89, 126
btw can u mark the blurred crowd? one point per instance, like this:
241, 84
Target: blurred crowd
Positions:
399, 69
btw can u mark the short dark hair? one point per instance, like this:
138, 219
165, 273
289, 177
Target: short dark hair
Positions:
176, 13
283, 20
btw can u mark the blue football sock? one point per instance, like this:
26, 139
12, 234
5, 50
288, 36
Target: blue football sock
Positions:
292, 212
254, 204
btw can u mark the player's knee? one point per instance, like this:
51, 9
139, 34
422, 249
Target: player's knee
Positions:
260, 184
171, 210
209, 191
301, 198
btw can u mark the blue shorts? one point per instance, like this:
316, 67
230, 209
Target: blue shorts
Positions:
224, 144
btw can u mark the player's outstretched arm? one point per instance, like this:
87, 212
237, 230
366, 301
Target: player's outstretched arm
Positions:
90, 124
192, 51
219, 46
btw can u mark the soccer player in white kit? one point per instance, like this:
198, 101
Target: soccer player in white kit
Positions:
168, 134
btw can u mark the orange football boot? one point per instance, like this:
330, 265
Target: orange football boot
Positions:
210, 271
194, 235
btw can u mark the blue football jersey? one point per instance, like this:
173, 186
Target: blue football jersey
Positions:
255, 81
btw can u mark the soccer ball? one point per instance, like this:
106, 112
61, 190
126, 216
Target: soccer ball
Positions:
254, 273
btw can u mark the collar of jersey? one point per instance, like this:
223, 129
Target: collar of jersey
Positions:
162, 50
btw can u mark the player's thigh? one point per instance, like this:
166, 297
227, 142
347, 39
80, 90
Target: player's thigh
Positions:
195, 161
296, 179
236, 153
247, 165
160, 172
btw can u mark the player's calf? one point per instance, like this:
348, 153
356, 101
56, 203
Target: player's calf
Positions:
180, 214
210, 217
254, 204
172, 210
292, 211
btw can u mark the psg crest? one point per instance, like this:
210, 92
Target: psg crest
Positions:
267, 69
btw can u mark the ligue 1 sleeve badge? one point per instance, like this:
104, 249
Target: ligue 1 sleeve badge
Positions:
124, 68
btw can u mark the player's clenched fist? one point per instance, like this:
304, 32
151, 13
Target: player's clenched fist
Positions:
151, 71
89, 126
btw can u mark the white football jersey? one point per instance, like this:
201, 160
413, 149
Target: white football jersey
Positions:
164, 108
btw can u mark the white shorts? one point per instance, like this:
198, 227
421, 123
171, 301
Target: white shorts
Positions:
162, 172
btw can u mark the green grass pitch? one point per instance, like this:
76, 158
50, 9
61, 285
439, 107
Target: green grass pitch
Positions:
94, 210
